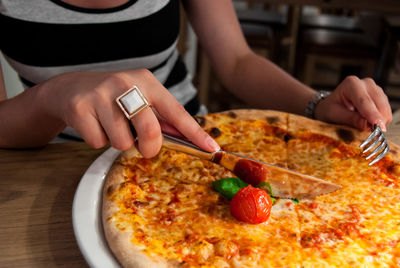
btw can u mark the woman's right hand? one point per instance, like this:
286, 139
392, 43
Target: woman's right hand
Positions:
356, 102
86, 102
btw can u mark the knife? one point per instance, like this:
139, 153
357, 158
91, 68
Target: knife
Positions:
282, 182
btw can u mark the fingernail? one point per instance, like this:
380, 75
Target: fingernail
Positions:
213, 145
382, 125
362, 123
350, 107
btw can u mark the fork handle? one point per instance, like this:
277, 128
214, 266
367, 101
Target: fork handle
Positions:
180, 145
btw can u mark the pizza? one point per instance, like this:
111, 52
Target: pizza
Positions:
166, 212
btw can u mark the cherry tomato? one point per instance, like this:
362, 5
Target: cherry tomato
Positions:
251, 205
250, 171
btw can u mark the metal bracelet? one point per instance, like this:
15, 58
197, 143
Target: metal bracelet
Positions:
320, 95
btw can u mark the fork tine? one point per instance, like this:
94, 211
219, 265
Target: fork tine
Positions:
373, 144
380, 156
377, 149
375, 138
371, 136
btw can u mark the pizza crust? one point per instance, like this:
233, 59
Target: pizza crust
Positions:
128, 154
348, 135
127, 253
394, 150
274, 118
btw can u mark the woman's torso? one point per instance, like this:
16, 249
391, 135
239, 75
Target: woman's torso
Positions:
43, 38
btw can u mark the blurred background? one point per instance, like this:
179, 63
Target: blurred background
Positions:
318, 41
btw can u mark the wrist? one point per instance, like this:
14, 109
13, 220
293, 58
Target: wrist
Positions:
316, 99
46, 106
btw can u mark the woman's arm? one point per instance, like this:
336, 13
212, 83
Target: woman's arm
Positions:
261, 83
22, 124
254, 79
86, 102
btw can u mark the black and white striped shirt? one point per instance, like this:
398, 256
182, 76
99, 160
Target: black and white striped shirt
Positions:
43, 38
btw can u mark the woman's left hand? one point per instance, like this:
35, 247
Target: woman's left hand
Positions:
356, 102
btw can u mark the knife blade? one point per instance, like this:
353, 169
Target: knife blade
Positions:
284, 183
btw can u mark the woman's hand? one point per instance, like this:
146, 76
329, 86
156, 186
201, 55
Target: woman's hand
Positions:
356, 102
86, 102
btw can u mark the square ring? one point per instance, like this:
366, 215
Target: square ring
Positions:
132, 102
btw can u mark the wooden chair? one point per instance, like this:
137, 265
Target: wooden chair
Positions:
343, 41
390, 50
330, 22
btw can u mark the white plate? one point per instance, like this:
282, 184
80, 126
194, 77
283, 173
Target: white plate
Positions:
86, 213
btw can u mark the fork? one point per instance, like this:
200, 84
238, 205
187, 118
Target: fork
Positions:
378, 141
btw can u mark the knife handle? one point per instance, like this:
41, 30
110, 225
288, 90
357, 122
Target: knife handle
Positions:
187, 147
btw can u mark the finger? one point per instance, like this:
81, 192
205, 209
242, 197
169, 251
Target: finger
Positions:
342, 115
169, 129
357, 93
148, 132
90, 130
176, 115
381, 100
348, 104
116, 126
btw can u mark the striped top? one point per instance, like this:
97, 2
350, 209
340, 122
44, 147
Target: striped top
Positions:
43, 38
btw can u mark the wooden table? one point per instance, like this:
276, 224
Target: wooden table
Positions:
393, 133
37, 188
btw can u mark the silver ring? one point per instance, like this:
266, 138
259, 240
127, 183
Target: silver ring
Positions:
132, 102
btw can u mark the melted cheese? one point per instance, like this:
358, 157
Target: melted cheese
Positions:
170, 206
359, 224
